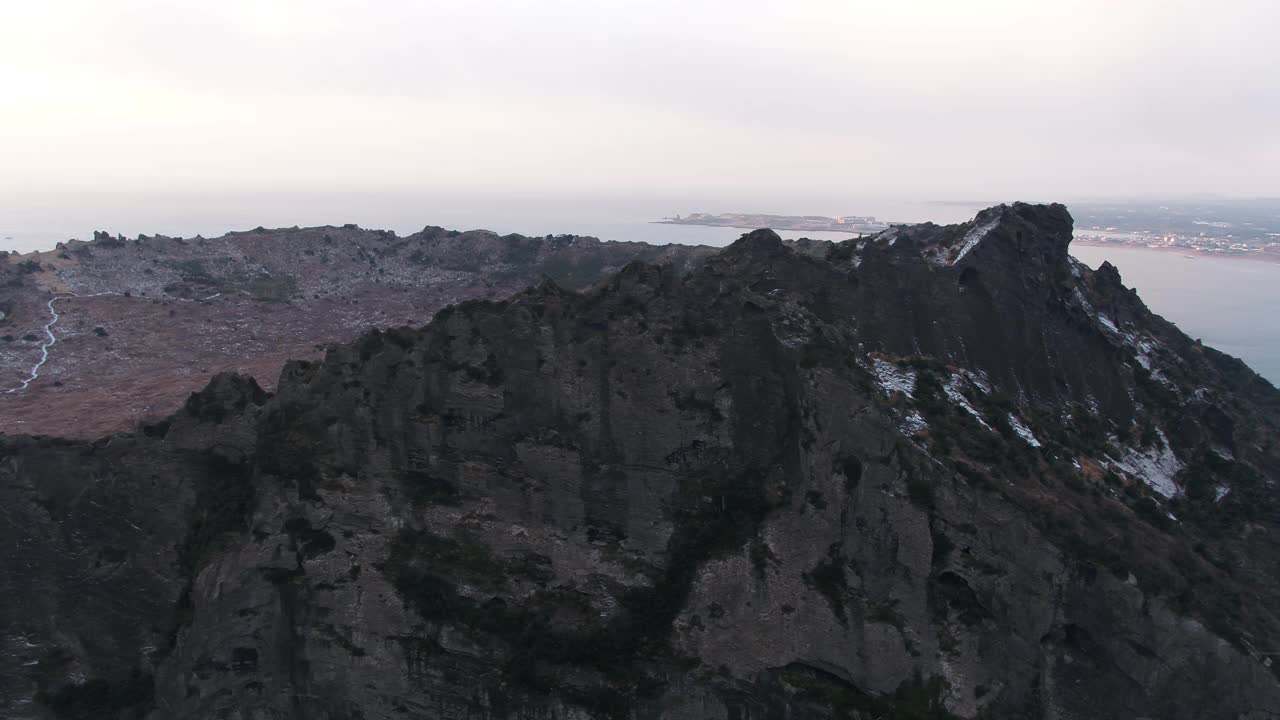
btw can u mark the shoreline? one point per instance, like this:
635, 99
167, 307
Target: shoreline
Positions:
771, 227
1189, 253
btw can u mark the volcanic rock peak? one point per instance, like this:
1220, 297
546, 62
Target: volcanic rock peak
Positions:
801, 480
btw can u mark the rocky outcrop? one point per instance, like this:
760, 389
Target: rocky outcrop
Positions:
940, 472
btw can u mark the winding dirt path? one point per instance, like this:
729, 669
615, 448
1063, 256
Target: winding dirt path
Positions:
53, 339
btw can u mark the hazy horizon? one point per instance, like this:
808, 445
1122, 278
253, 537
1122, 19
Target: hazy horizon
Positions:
34, 221
40, 222
744, 100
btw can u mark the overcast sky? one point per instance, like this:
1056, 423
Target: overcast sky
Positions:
941, 99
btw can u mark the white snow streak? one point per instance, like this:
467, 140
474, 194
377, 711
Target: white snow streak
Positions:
954, 394
1024, 432
1084, 302
975, 236
1157, 467
979, 379
942, 255
893, 378
1142, 347
914, 423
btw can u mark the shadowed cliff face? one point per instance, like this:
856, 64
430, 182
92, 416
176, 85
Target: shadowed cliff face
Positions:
940, 472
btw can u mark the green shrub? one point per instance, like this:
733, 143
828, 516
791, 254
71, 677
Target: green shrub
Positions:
95, 699
915, 699
759, 554
814, 498
828, 578
851, 468
886, 613
723, 512
921, 491
942, 545
272, 288
224, 497
426, 488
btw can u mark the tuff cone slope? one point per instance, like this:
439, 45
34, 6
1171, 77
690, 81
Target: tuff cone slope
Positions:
137, 325
945, 472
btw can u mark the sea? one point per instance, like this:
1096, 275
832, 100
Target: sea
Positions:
1226, 303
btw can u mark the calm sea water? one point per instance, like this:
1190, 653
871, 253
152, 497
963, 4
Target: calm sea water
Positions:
37, 222
1225, 303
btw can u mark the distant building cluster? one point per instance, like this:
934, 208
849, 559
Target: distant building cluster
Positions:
1201, 243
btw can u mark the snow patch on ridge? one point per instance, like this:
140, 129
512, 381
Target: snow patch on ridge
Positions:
1157, 467
975, 235
1083, 301
1143, 350
913, 424
893, 378
979, 380
955, 396
1142, 347
1024, 432
1103, 320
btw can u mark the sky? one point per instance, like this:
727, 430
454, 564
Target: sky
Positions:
721, 98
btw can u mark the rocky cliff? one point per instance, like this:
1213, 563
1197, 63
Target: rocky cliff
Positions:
942, 472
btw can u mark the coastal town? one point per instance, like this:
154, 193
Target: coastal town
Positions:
1224, 228
1197, 243
1248, 229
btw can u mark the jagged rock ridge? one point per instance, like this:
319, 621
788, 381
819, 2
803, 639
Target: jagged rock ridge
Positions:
143, 323
945, 472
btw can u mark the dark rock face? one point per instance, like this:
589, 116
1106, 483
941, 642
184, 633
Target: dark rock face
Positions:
942, 472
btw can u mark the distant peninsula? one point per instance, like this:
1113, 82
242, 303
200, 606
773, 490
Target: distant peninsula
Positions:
854, 224
1212, 227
